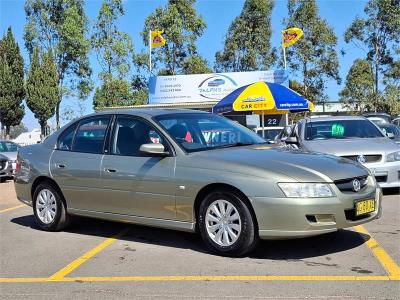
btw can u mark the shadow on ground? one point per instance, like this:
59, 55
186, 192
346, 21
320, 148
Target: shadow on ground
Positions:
339, 241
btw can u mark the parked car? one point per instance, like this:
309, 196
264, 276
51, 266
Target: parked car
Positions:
235, 190
9, 150
354, 138
270, 133
378, 118
392, 131
6, 170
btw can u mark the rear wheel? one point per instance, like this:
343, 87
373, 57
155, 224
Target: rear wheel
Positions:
49, 208
226, 224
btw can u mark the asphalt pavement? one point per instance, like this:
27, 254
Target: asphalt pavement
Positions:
96, 259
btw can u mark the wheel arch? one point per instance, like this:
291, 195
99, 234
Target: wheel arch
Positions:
42, 179
221, 186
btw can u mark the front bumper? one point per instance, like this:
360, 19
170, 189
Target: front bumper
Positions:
282, 218
387, 174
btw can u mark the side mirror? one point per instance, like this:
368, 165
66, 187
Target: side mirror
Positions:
153, 150
291, 140
390, 135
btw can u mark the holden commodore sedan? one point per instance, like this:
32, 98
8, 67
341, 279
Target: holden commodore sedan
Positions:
163, 168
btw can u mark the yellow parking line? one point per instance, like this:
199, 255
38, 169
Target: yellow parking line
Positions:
79, 261
202, 278
11, 208
383, 257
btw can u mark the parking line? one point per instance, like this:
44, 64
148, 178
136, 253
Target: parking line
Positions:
382, 256
85, 257
203, 278
11, 208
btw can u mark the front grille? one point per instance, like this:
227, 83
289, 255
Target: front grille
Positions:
381, 178
368, 158
351, 215
346, 185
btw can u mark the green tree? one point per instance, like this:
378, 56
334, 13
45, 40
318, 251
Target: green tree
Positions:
115, 92
42, 90
114, 48
378, 31
61, 25
358, 93
247, 43
314, 56
12, 90
391, 100
182, 27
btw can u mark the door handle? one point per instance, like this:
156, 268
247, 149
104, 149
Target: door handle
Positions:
110, 170
60, 166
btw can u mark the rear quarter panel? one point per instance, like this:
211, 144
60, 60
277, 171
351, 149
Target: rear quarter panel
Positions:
34, 163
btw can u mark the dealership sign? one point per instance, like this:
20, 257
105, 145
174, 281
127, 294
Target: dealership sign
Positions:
206, 87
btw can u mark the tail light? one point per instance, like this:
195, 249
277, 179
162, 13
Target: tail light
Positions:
18, 164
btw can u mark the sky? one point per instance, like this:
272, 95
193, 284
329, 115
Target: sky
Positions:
218, 15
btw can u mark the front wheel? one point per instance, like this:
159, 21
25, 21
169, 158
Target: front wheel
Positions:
226, 224
49, 208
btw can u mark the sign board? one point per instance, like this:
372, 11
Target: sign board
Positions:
206, 87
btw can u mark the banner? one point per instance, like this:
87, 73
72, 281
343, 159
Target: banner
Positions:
290, 36
206, 87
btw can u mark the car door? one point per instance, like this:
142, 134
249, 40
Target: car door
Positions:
76, 162
135, 184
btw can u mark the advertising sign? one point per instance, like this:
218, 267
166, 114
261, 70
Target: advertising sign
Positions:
206, 87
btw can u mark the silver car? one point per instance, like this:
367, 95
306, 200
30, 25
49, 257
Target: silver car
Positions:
8, 152
191, 171
354, 138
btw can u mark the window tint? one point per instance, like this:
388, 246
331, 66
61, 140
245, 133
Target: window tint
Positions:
65, 138
90, 135
130, 134
8, 147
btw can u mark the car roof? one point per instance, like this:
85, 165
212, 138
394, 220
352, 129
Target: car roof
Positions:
333, 118
148, 111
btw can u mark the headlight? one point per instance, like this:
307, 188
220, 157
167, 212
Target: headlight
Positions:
395, 156
306, 190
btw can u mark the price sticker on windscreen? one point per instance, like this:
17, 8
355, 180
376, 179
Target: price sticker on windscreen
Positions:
337, 130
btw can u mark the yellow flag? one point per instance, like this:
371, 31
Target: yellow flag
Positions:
290, 36
157, 39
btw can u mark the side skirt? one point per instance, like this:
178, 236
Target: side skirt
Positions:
161, 223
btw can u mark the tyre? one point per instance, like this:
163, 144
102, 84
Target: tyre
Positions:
2, 179
49, 208
226, 224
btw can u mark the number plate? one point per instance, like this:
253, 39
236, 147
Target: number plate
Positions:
365, 207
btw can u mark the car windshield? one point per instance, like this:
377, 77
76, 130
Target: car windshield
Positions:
269, 134
199, 131
8, 147
391, 129
341, 129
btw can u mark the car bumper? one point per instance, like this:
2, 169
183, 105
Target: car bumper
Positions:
281, 218
386, 174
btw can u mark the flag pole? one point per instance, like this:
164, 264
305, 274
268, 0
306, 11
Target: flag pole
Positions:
284, 56
150, 51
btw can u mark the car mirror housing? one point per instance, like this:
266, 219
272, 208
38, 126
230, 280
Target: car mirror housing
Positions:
153, 150
291, 140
